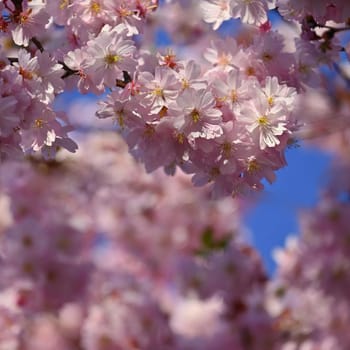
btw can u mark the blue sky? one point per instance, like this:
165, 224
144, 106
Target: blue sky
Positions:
298, 186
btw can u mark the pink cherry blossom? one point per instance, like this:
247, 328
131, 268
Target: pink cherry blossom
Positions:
216, 11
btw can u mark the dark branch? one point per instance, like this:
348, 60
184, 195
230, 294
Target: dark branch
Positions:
37, 43
18, 5
12, 59
127, 79
68, 71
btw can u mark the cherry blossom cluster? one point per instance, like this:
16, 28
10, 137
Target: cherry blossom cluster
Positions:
28, 121
28, 86
227, 122
255, 11
37, 38
226, 115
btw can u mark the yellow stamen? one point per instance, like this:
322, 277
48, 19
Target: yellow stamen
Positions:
180, 138
224, 59
234, 96
23, 18
95, 7
253, 166
195, 116
158, 92
263, 120
63, 4
112, 59
124, 12
185, 84
39, 123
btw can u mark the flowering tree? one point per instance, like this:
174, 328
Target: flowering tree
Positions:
95, 253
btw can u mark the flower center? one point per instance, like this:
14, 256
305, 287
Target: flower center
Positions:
63, 4
25, 73
253, 166
234, 96
250, 71
263, 120
195, 116
112, 59
23, 17
39, 123
158, 92
95, 7
224, 59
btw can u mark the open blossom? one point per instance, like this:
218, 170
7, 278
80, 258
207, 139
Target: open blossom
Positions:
234, 90
159, 90
222, 53
250, 11
93, 12
279, 94
190, 76
122, 110
41, 74
126, 12
266, 119
110, 53
196, 116
216, 11
44, 132
267, 125
29, 23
